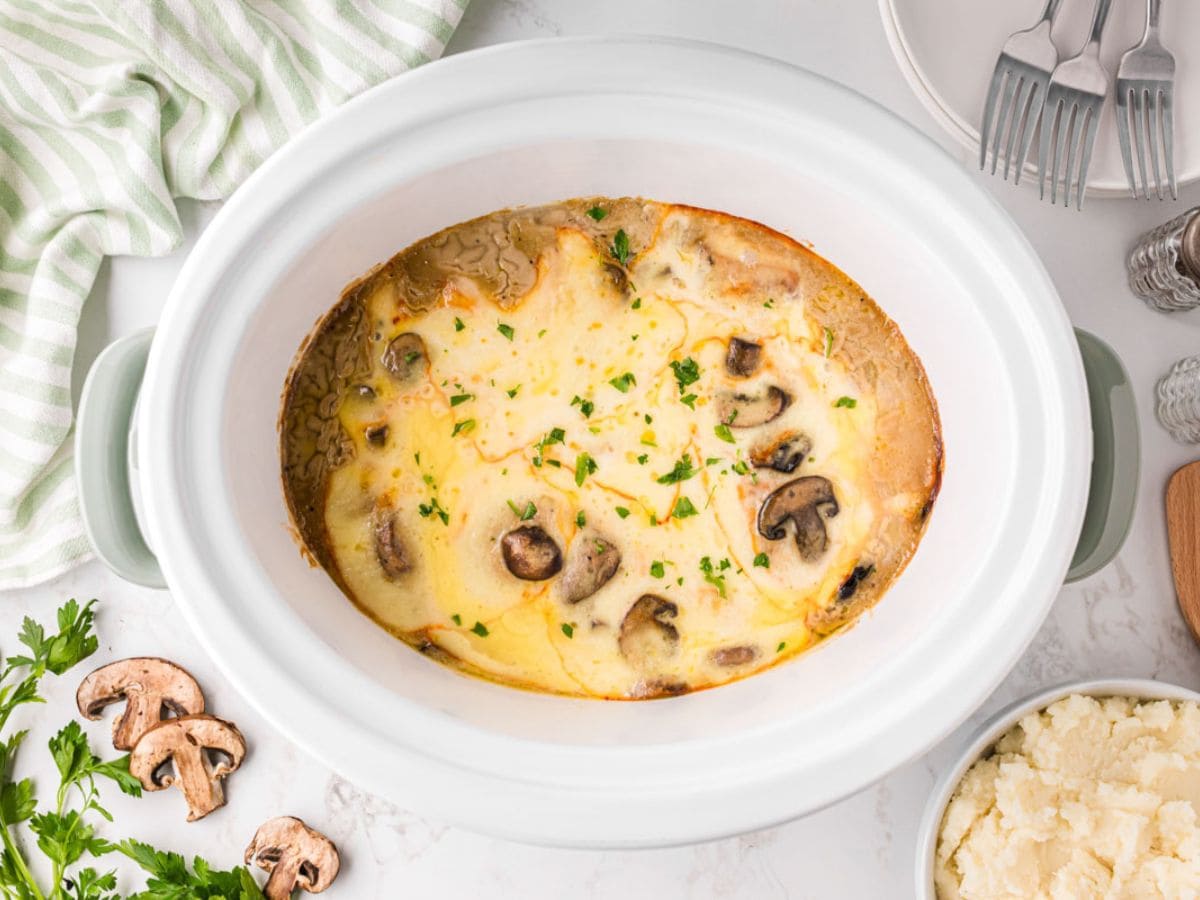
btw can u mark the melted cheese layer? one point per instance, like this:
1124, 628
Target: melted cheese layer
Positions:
590, 401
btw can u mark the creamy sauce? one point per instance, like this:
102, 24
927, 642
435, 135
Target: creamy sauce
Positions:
625, 454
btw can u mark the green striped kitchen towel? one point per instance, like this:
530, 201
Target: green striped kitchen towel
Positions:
109, 109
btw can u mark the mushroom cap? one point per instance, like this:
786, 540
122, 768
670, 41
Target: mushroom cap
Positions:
160, 744
405, 356
743, 357
591, 564
286, 842
800, 501
647, 637
390, 550
784, 453
742, 410
147, 684
530, 553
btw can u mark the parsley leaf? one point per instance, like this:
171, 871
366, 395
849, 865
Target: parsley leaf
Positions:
762, 560
722, 431
828, 343
683, 508
461, 398
480, 629
525, 514
568, 629
466, 426
506, 330
623, 382
623, 512
657, 569
847, 402
587, 407
682, 472
620, 247
597, 213
458, 324
687, 371
711, 575
580, 519
584, 466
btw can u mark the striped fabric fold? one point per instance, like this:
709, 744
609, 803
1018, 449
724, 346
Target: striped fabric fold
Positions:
109, 110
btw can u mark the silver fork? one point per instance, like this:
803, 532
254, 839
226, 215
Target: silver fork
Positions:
1019, 86
1072, 115
1145, 94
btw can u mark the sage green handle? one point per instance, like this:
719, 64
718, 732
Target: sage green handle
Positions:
1116, 458
105, 457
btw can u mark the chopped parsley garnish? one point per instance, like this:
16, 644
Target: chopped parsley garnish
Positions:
623, 382
722, 431
556, 436
689, 400
649, 418
584, 466
683, 508
466, 426
542, 333
425, 510
598, 215
461, 398
637, 304
456, 619
580, 519
587, 407
506, 330
687, 372
712, 573
480, 629
622, 512
523, 514
713, 461
682, 472
847, 402
770, 304
568, 629
779, 649
458, 324
620, 247
512, 392
643, 459
828, 342
741, 467
657, 569
412, 356
762, 561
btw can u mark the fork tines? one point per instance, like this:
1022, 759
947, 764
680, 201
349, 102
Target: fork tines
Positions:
1149, 106
1069, 123
1019, 90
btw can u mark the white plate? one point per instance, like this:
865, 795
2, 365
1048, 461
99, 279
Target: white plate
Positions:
948, 48
678, 121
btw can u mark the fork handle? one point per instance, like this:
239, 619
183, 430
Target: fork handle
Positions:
1051, 9
1102, 10
1153, 8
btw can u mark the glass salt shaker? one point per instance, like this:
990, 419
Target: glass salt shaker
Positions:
1164, 270
1164, 266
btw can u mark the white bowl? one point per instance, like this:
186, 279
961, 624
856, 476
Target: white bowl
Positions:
682, 122
995, 728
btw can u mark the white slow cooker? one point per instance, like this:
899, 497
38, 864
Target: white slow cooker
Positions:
537, 122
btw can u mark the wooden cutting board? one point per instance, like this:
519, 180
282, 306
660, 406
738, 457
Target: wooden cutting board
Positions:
1183, 533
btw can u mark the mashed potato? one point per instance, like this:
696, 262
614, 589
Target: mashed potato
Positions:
1089, 798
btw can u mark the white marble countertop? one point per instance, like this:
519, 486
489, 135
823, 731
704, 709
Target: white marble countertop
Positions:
1122, 621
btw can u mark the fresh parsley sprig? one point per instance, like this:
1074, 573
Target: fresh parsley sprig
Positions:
65, 833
